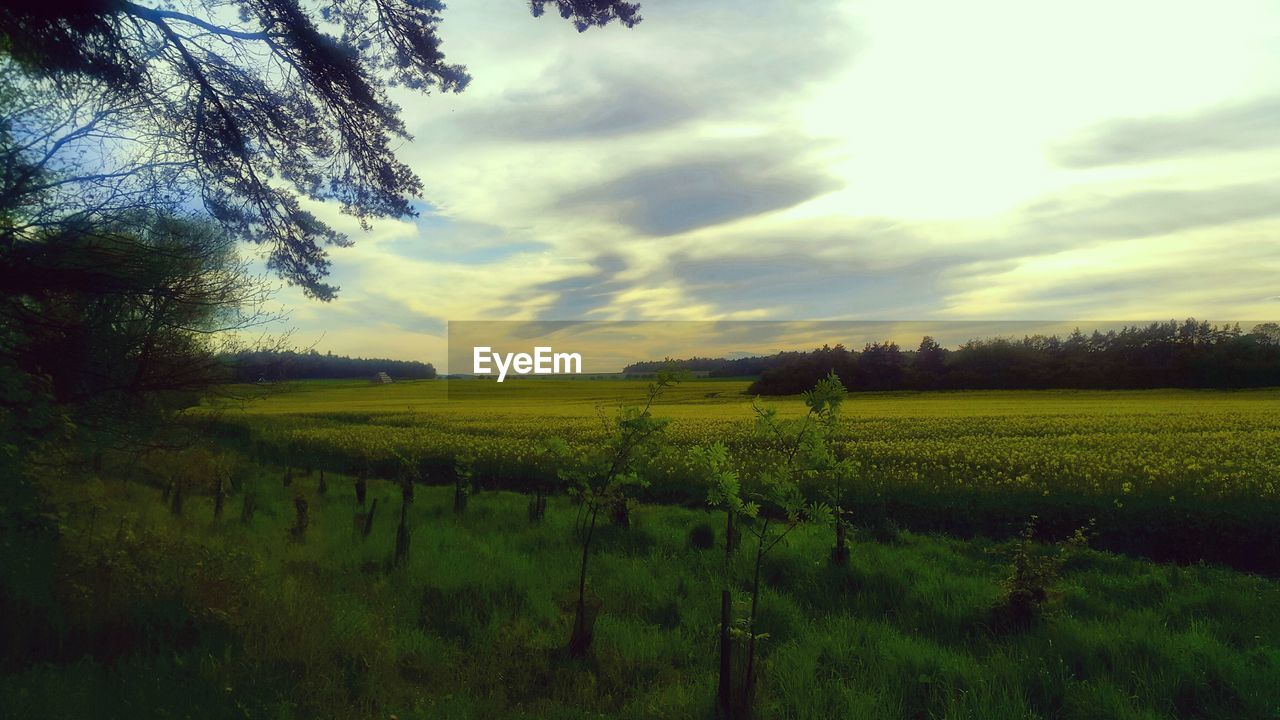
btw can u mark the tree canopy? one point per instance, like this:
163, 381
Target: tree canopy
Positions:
252, 104
1167, 354
116, 326
276, 365
1191, 354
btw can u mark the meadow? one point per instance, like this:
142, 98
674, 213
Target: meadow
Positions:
246, 577
168, 615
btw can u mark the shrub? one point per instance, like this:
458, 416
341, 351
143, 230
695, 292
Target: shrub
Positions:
702, 537
1033, 574
885, 530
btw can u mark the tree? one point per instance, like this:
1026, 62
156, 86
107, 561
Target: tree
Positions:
543, 474
799, 373
724, 491
253, 365
603, 476
821, 462
1267, 333
929, 362
1191, 353
805, 451
254, 104
119, 325
775, 501
69, 156
880, 366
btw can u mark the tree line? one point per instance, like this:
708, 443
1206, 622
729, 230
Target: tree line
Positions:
751, 366
274, 365
1188, 354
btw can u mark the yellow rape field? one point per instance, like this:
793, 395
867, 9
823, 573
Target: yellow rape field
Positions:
1176, 445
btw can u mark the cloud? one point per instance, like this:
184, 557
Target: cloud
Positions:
1251, 125
813, 286
1074, 219
690, 61
578, 295
606, 107
1190, 272
703, 167
877, 267
1092, 291
712, 189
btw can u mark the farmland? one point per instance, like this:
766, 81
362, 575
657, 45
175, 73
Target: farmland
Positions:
1172, 474
309, 559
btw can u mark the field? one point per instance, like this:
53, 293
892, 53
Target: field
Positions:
273, 608
1180, 475
235, 620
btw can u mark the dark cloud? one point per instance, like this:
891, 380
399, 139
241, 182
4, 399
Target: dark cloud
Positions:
578, 295
699, 192
1245, 126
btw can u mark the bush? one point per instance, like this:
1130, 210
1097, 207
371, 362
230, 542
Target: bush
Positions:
885, 530
1033, 575
702, 537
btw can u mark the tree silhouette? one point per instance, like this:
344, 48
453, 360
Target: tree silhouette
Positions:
930, 358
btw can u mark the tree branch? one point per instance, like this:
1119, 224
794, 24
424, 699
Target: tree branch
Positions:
157, 16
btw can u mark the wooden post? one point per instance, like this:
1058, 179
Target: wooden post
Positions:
175, 505
402, 535
459, 496
620, 512
840, 553
299, 529
362, 522
724, 694
218, 497
537, 506
248, 507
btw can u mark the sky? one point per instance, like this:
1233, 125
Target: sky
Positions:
870, 160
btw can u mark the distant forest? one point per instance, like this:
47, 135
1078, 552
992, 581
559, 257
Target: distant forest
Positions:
1189, 354
719, 367
252, 366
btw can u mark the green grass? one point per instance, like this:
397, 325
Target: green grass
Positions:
237, 620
